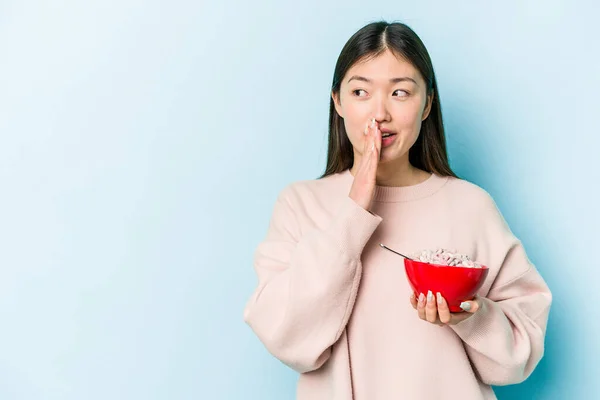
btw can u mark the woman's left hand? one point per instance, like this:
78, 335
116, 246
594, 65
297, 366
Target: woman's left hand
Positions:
435, 309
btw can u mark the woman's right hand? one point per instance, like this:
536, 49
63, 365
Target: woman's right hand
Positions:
363, 187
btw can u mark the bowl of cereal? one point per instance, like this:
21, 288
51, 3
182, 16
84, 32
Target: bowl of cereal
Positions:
454, 275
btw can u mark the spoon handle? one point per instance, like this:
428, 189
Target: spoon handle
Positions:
394, 251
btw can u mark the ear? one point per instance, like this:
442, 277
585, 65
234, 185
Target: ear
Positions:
337, 104
427, 109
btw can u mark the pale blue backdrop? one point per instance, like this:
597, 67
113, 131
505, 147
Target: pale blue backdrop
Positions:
143, 143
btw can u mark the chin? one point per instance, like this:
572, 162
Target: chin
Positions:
392, 155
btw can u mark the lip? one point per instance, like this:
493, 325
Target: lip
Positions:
384, 130
385, 142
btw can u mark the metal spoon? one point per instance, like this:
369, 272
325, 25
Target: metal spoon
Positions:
394, 251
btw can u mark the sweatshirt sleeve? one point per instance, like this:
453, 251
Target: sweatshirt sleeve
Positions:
504, 339
307, 283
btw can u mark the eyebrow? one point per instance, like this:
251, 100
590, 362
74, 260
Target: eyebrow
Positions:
393, 80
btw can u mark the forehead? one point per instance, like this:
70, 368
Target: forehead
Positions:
383, 67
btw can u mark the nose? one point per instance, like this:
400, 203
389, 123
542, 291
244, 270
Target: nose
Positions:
380, 110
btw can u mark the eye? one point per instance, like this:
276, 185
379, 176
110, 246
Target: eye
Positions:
358, 90
403, 93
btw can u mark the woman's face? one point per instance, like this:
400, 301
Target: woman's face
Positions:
393, 92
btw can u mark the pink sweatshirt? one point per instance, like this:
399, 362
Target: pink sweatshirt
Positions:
334, 306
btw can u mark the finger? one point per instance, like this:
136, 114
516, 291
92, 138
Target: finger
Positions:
372, 125
369, 129
431, 308
470, 306
377, 137
363, 167
370, 162
443, 309
374, 154
421, 306
366, 139
374, 148
413, 300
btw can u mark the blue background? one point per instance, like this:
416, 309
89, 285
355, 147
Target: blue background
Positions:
143, 143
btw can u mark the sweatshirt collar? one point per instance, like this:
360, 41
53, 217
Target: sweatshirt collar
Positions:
390, 194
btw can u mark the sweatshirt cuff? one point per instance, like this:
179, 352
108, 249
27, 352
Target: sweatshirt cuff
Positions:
352, 227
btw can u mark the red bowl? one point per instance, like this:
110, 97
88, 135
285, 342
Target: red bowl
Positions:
456, 284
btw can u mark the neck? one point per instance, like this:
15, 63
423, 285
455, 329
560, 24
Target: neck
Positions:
398, 172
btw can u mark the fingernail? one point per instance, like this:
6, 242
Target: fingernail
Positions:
429, 296
421, 298
465, 306
372, 146
439, 298
373, 123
